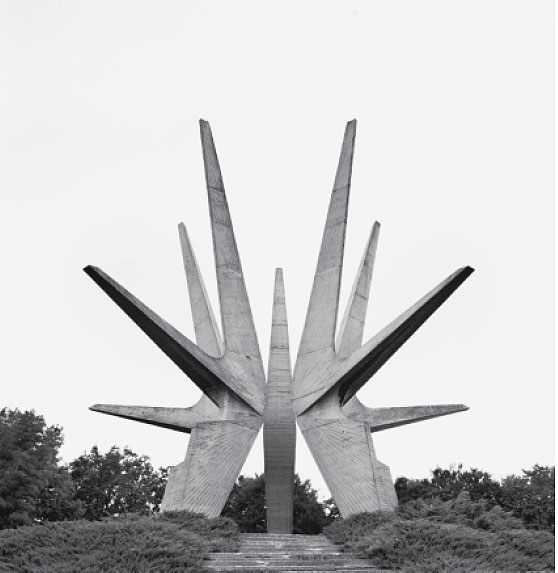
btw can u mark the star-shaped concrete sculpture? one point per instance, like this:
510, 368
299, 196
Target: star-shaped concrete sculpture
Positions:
328, 373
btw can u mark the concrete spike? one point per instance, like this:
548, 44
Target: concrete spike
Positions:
350, 374
179, 419
351, 331
239, 332
318, 337
208, 337
212, 375
279, 421
385, 418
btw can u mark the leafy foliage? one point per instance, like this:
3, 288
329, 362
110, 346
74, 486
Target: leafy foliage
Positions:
117, 482
529, 497
246, 506
33, 487
455, 535
170, 542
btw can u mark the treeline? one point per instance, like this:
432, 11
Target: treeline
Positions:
35, 488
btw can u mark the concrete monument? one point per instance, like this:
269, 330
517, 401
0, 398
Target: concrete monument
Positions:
320, 395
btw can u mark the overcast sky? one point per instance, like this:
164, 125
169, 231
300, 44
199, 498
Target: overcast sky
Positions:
100, 160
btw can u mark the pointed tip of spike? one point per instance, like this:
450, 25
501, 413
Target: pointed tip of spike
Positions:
89, 270
376, 226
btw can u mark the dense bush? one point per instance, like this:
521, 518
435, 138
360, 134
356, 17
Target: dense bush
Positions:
445, 536
529, 497
170, 542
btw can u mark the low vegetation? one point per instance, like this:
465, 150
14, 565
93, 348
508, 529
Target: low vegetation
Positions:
101, 513
176, 541
455, 535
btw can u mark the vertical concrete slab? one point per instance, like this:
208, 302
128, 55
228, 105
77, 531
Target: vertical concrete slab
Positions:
279, 421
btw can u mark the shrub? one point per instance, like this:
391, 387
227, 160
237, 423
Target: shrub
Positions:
445, 536
130, 544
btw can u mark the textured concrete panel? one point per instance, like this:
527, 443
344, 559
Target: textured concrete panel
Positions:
345, 455
203, 481
279, 421
328, 372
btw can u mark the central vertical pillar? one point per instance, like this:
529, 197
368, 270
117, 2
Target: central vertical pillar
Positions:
279, 421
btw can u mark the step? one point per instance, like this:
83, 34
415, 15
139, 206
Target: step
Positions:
284, 553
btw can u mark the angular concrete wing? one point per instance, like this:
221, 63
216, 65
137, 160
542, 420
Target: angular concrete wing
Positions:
211, 375
179, 419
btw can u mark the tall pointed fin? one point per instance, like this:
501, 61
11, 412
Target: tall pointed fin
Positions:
238, 325
379, 349
351, 331
279, 421
385, 418
179, 419
208, 337
211, 375
318, 336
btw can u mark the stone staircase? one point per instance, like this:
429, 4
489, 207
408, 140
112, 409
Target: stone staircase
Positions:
284, 553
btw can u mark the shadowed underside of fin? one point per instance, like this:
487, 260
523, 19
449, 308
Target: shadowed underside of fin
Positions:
210, 374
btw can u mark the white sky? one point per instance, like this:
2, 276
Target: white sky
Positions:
100, 160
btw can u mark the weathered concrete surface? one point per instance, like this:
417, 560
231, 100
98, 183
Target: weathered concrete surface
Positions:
226, 420
279, 421
328, 372
335, 425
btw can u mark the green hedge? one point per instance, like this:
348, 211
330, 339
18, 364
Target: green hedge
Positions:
445, 536
168, 542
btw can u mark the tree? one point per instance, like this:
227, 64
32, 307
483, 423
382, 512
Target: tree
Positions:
531, 496
33, 488
246, 506
447, 484
117, 482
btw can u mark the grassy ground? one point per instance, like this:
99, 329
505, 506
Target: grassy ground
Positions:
455, 536
167, 542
